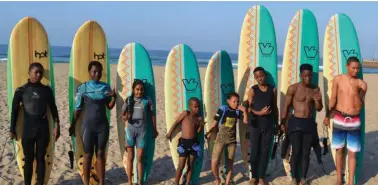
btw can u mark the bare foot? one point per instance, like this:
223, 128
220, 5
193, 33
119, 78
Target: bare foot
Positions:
261, 182
303, 182
252, 181
217, 181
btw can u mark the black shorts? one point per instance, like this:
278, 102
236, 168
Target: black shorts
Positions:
188, 147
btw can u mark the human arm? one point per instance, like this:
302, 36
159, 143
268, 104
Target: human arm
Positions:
244, 114
251, 94
214, 126
176, 123
288, 102
54, 113
275, 105
15, 108
363, 90
318, 100
78, 107
332, 101
153, 121
113, 96
201, 125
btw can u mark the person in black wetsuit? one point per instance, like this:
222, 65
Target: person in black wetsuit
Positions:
262, 99
35, 99
95, 96
303, 97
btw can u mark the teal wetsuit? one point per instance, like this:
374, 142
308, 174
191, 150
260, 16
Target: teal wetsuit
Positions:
95, 127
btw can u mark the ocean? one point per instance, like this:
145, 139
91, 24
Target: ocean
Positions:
61, 54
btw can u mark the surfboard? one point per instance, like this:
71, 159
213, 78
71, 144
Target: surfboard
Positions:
301, 47
89, 44
340, 43
219, 82
135, 63
181, 82
29, 43
257, 48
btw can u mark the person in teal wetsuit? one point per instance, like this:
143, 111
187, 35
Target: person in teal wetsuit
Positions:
95, 96
135, 113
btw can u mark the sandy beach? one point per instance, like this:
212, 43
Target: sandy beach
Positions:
163, 170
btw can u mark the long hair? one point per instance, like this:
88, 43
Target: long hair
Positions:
131, 101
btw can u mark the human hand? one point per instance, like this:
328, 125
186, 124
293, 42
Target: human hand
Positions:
265, 111
317, 96
326, 121
12, 135
56, 133
71, 130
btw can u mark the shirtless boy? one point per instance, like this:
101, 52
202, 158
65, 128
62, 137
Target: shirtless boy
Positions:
225, 121
191, 125
347, 99
301, 127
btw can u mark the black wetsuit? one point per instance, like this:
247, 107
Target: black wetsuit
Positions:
35, 98
262, 131
302, 133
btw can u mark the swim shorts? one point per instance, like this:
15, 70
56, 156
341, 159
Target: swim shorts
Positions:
188, 147
346, 128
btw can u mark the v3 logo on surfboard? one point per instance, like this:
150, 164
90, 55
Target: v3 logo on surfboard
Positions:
225, 88
143, 80
311, 52
266, 48
191, 84
349, 53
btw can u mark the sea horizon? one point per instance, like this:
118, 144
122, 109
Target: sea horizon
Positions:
61, 54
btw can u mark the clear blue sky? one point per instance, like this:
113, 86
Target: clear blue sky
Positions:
205, 26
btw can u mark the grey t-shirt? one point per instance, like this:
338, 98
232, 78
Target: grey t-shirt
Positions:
139, 114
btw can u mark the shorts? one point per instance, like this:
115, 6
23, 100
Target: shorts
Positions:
218, 150
135, 136
93, 139
352, 138
188, 147
344, 121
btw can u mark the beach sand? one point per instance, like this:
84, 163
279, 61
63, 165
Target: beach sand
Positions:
163, 170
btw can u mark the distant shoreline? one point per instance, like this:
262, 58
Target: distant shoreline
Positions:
371, 64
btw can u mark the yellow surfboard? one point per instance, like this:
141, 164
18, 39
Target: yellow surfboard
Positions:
88, 45
29, 43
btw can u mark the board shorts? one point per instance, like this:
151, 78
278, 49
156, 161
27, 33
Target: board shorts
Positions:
346, 128
218, 150
135, 136
188, 147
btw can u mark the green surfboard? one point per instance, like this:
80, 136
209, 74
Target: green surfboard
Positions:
257, 48
182, 82
340, 43
135, 63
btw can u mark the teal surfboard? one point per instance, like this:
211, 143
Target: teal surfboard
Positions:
219, 82
257, 48
135, 63
301, 47
181, 82
340, 43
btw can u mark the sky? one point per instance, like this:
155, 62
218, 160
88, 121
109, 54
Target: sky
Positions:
204, 26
